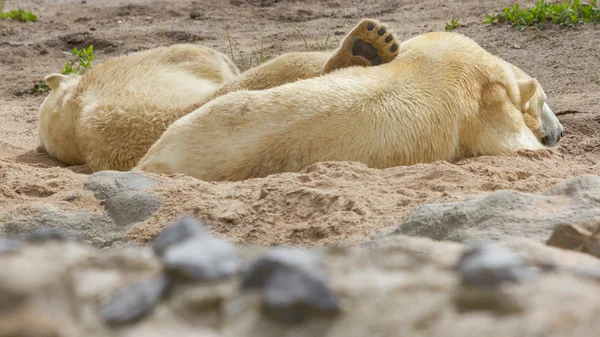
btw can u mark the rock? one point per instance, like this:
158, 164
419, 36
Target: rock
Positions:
9, 245
201, 258
133, 302
504, 214
578, 238
79, 224
569, 237
176, 233
258, 274
125, 201
403, 286
198, 13
44, 234
106, 184
293, 284
129, 207
292, 295
483, 266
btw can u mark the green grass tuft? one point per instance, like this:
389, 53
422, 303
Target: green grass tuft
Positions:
81, 63
18, 15
567, 13
453, 24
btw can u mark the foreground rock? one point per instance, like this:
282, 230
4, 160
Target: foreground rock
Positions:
401, 285
504, 214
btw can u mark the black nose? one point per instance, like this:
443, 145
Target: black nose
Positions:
546, 140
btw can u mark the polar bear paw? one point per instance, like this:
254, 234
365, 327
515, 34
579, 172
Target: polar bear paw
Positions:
370, 43
373, 41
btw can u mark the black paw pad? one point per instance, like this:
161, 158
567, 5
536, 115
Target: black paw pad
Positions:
381, 31
365, 50
371, 26
389, 38
394, 47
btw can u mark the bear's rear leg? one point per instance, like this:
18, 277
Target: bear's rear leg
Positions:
370, 43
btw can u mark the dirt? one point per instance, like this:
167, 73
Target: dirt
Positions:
326, 203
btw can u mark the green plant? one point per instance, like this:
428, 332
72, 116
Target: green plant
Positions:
80, 65
41, 87
17, 14
83, 61
452, 25
568, 13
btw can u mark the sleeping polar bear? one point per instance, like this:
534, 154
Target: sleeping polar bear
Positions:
110, 116
443, 97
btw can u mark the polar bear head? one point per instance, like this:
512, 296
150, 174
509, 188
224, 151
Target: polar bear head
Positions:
536, 112
57, 119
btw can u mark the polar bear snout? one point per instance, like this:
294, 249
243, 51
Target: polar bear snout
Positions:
553, 130
552, 139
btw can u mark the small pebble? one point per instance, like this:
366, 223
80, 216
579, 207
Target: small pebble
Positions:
9, 245
490, 265
293, 284
197, 14
202, 258
133, 302
176, 233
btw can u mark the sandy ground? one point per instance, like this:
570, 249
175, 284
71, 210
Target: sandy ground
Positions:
327, 202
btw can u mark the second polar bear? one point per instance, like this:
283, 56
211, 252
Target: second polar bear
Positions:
442, 98
110, 116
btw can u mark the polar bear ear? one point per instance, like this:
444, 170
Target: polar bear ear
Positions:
527, 89
54, 80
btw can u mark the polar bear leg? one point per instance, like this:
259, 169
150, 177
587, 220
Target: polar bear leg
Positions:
370, 43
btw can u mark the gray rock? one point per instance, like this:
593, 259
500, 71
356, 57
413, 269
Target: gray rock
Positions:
483, 266
133, 302
202, 258
291, 295
44, 234
80, 224
176, 233
505, 214
282, 258
125, 201
129, 207
106, 184
9, 245
293, 284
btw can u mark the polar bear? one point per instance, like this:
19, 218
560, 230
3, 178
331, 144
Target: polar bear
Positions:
443, 97
110, 116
